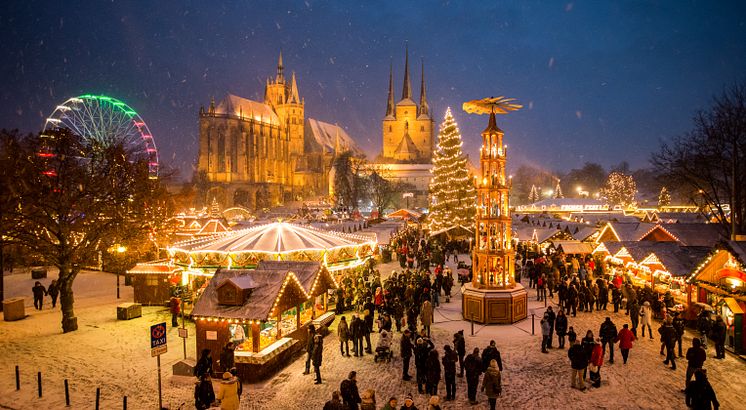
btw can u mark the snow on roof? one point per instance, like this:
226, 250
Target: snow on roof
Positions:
305, 271
237, 106
274, 237
574, 247
629, 231
158, 267
695, 234
320, 134
404, 213
585, 233
679, 260
241, 282
468, 229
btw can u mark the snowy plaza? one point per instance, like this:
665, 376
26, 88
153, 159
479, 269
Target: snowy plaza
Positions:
115, 356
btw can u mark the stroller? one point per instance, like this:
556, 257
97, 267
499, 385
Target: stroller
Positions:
383, 348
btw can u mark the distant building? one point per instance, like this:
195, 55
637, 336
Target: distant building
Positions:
260, 154
408, 138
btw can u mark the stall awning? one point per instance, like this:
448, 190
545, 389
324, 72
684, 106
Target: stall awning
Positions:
572, 247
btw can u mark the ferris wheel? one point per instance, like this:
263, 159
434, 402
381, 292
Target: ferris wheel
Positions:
104, 121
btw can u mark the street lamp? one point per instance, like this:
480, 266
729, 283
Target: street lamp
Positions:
120, 250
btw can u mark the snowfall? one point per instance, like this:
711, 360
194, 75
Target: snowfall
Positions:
114, 355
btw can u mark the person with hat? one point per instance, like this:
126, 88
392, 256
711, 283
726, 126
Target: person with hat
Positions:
405, 349
228, 392
492, 384
408, 403
646, 312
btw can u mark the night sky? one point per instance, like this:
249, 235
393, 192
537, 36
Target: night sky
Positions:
600, 81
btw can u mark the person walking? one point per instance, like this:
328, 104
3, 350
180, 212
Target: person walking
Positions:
349, 391
204, 394
39, 292
695, 359
53, 290
405, 349
459, 343
546, 331
646, 312
426, 315
489, 354
625, 339
473, 368
318, 354
578, 364
343, 333
679, 323
608, 333
432, 373
492, 384
560, 327
597, 360
668, 337
634, 315
174, 305
700, 394
718, 337
449, 371
309, 347
228, 392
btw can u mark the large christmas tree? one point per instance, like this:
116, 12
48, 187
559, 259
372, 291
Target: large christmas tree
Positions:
452, 193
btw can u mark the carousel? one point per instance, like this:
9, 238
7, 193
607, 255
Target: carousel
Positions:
279, 241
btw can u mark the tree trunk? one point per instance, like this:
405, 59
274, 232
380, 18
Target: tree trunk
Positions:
69, 321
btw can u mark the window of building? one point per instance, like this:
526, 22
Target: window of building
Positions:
389, 128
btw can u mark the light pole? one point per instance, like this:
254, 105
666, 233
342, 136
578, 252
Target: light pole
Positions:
120, 250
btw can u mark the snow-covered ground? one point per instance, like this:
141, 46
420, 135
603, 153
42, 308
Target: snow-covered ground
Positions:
115, 356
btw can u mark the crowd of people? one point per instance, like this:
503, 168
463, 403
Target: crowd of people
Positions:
230, 387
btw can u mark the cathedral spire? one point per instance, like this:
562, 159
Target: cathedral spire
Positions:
280, 78
293, 97
424, 108
390, 103
407, 89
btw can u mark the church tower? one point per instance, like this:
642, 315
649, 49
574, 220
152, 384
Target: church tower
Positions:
407, 127
285, 99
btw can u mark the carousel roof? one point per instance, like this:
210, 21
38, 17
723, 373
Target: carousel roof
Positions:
277, 237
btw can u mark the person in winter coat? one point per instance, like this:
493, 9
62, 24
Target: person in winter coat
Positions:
668, 338
608, 335
473, 368
492, 384
227, 357
695, 358
426, 315
588, 343
317, 356
449, 371
646, 313
335, 403
560, 327
368, 400
597, 360
228, 392
39, 292
578, 363
679, 324
634, 315
343, 332
572, 300
421, 354
546, 331
625, 337
433, 403
356, 333
204, 364
53, 290
718, 337
571, 336
408, 403
204, 395
432, 372
704, 325
459, 344
175, 307
489, 354
405, 349
391, 404
348, 390
367, 327
551, 318
699, 393
616, 298
309, 347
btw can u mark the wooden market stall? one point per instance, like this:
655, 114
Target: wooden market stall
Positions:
264, 311
152, 282
720, 282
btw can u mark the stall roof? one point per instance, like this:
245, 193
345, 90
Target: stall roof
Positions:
574, 247
258, 304
680, 260
157, 268
624, 231
305, 271
405, 214
467, 229
695, 234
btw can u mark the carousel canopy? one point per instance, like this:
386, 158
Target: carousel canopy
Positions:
278, 237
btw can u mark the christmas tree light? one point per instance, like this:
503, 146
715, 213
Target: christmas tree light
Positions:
452, 192
664, 198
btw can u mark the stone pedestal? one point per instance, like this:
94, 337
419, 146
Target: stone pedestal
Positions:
494, 306
13, 309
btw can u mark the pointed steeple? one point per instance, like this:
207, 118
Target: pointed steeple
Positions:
293, 96
280, 78
424, 108
390, 103
407, 89
337, 146
211, 110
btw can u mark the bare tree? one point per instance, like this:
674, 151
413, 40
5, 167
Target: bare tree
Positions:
708, 162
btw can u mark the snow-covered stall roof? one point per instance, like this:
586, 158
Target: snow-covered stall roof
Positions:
574, 247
